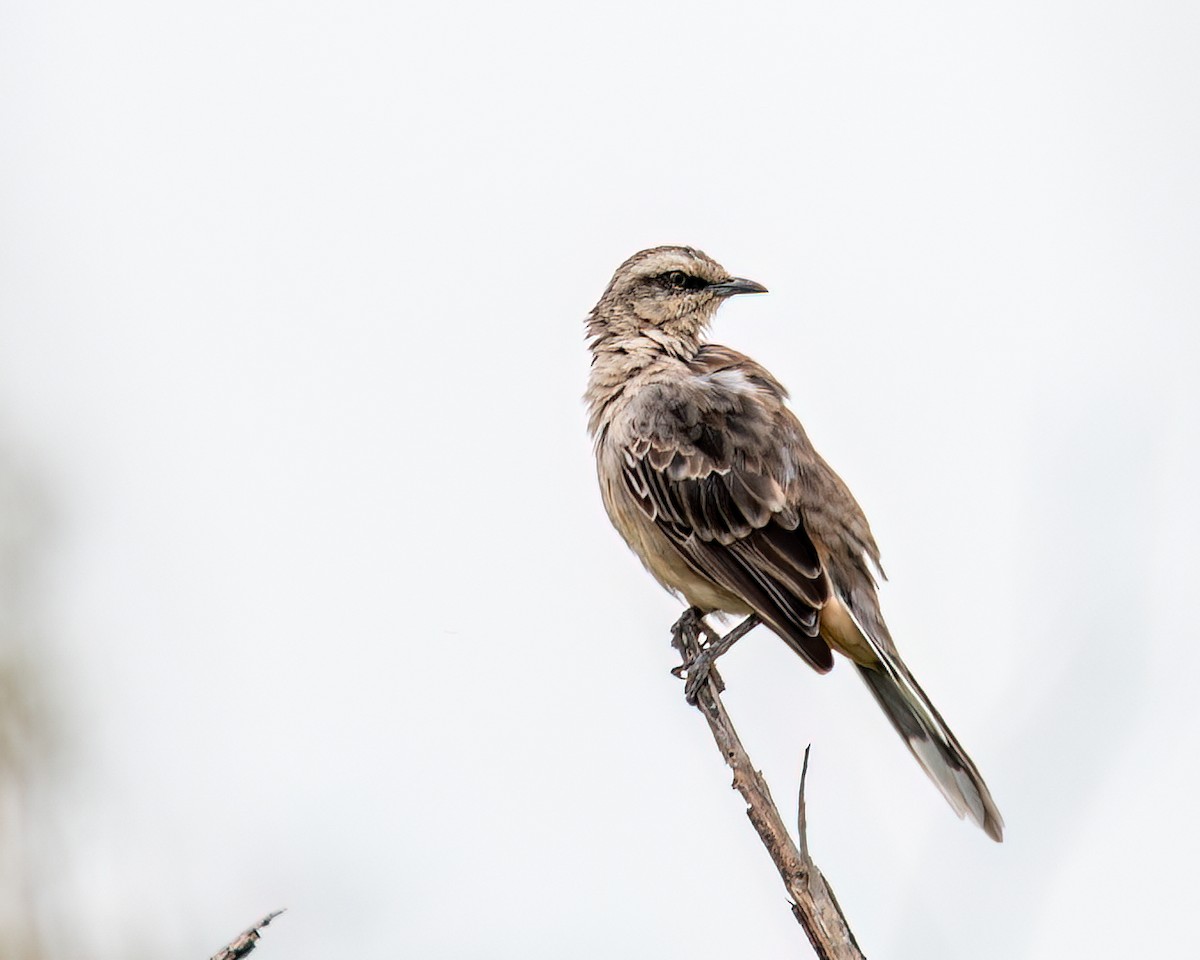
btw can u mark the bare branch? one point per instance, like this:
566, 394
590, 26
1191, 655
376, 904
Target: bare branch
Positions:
244, 942
813, 903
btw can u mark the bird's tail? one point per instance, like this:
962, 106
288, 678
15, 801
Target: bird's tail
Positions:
930, 740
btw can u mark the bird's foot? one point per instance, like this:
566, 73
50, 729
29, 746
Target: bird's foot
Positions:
685, 637
685, 633
699, 670
699, 659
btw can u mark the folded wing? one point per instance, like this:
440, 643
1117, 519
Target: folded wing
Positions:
711, 461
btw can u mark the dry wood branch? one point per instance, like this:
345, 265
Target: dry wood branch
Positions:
813, 903
245, 941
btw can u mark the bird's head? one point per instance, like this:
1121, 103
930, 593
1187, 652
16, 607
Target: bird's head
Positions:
667, 293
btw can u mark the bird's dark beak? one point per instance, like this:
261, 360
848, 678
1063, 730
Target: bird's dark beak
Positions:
736, 285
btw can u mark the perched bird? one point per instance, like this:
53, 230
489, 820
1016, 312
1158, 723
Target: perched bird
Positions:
714, 484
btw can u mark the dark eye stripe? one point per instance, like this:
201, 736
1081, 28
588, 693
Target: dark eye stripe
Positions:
678, 280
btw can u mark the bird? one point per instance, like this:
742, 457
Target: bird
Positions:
713, 483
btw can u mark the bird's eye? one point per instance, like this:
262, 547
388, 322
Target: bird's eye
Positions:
678, 280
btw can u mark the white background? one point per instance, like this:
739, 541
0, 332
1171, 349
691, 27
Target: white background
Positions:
316, 585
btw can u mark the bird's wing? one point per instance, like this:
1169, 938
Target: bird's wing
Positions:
711, 459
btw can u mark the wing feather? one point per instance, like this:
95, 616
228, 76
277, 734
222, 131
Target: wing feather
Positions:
703, 461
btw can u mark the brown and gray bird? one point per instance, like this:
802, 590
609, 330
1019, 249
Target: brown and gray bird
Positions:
714, 484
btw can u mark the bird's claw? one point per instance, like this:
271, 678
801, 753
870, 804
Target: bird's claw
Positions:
699, 671
699, 658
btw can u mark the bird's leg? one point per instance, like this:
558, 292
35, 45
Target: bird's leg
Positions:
700, 659
685, 636
689, 627
703, 665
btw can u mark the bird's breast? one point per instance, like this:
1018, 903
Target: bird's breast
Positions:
657, 553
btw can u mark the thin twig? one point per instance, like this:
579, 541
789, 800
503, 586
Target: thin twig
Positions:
245, 941
813, 903
802, 810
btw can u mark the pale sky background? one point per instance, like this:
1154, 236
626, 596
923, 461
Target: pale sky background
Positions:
314, 582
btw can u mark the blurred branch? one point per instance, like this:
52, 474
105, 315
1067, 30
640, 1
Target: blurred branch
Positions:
28, 734
813, 903
245, 941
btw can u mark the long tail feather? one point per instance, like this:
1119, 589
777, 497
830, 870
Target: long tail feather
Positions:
931, 742
921, 727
